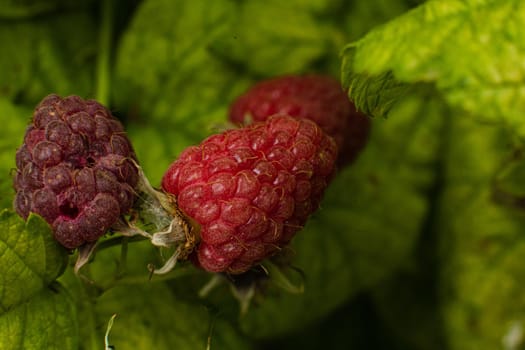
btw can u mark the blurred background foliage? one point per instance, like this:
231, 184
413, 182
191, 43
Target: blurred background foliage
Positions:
417, 245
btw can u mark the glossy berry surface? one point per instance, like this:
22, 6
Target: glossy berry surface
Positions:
319, 98
251, 189
75, 168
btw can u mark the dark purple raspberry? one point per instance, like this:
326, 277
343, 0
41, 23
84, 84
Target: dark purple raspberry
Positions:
316, 97
76, 168
251, 189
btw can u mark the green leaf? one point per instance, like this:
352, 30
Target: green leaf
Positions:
367, 225
157, 147
15, 68
46, 321
301, 36
30, 259
481, 245
408, 301
362, 16
352, 326
176, 81
408, 305
313, 6
509, 181
472, 51
464, 288
150, 317
289, 43
46, 56
373, 96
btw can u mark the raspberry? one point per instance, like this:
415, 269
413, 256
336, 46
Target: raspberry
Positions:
316, 97
76, 168
251, 189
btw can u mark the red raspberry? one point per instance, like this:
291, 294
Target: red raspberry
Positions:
75, 168
251, 189
316, 97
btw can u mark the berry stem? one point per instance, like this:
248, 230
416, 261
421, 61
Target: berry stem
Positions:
104, 52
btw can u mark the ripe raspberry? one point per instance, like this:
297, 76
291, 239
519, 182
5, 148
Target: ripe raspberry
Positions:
316, 97
75, 169
252, 189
